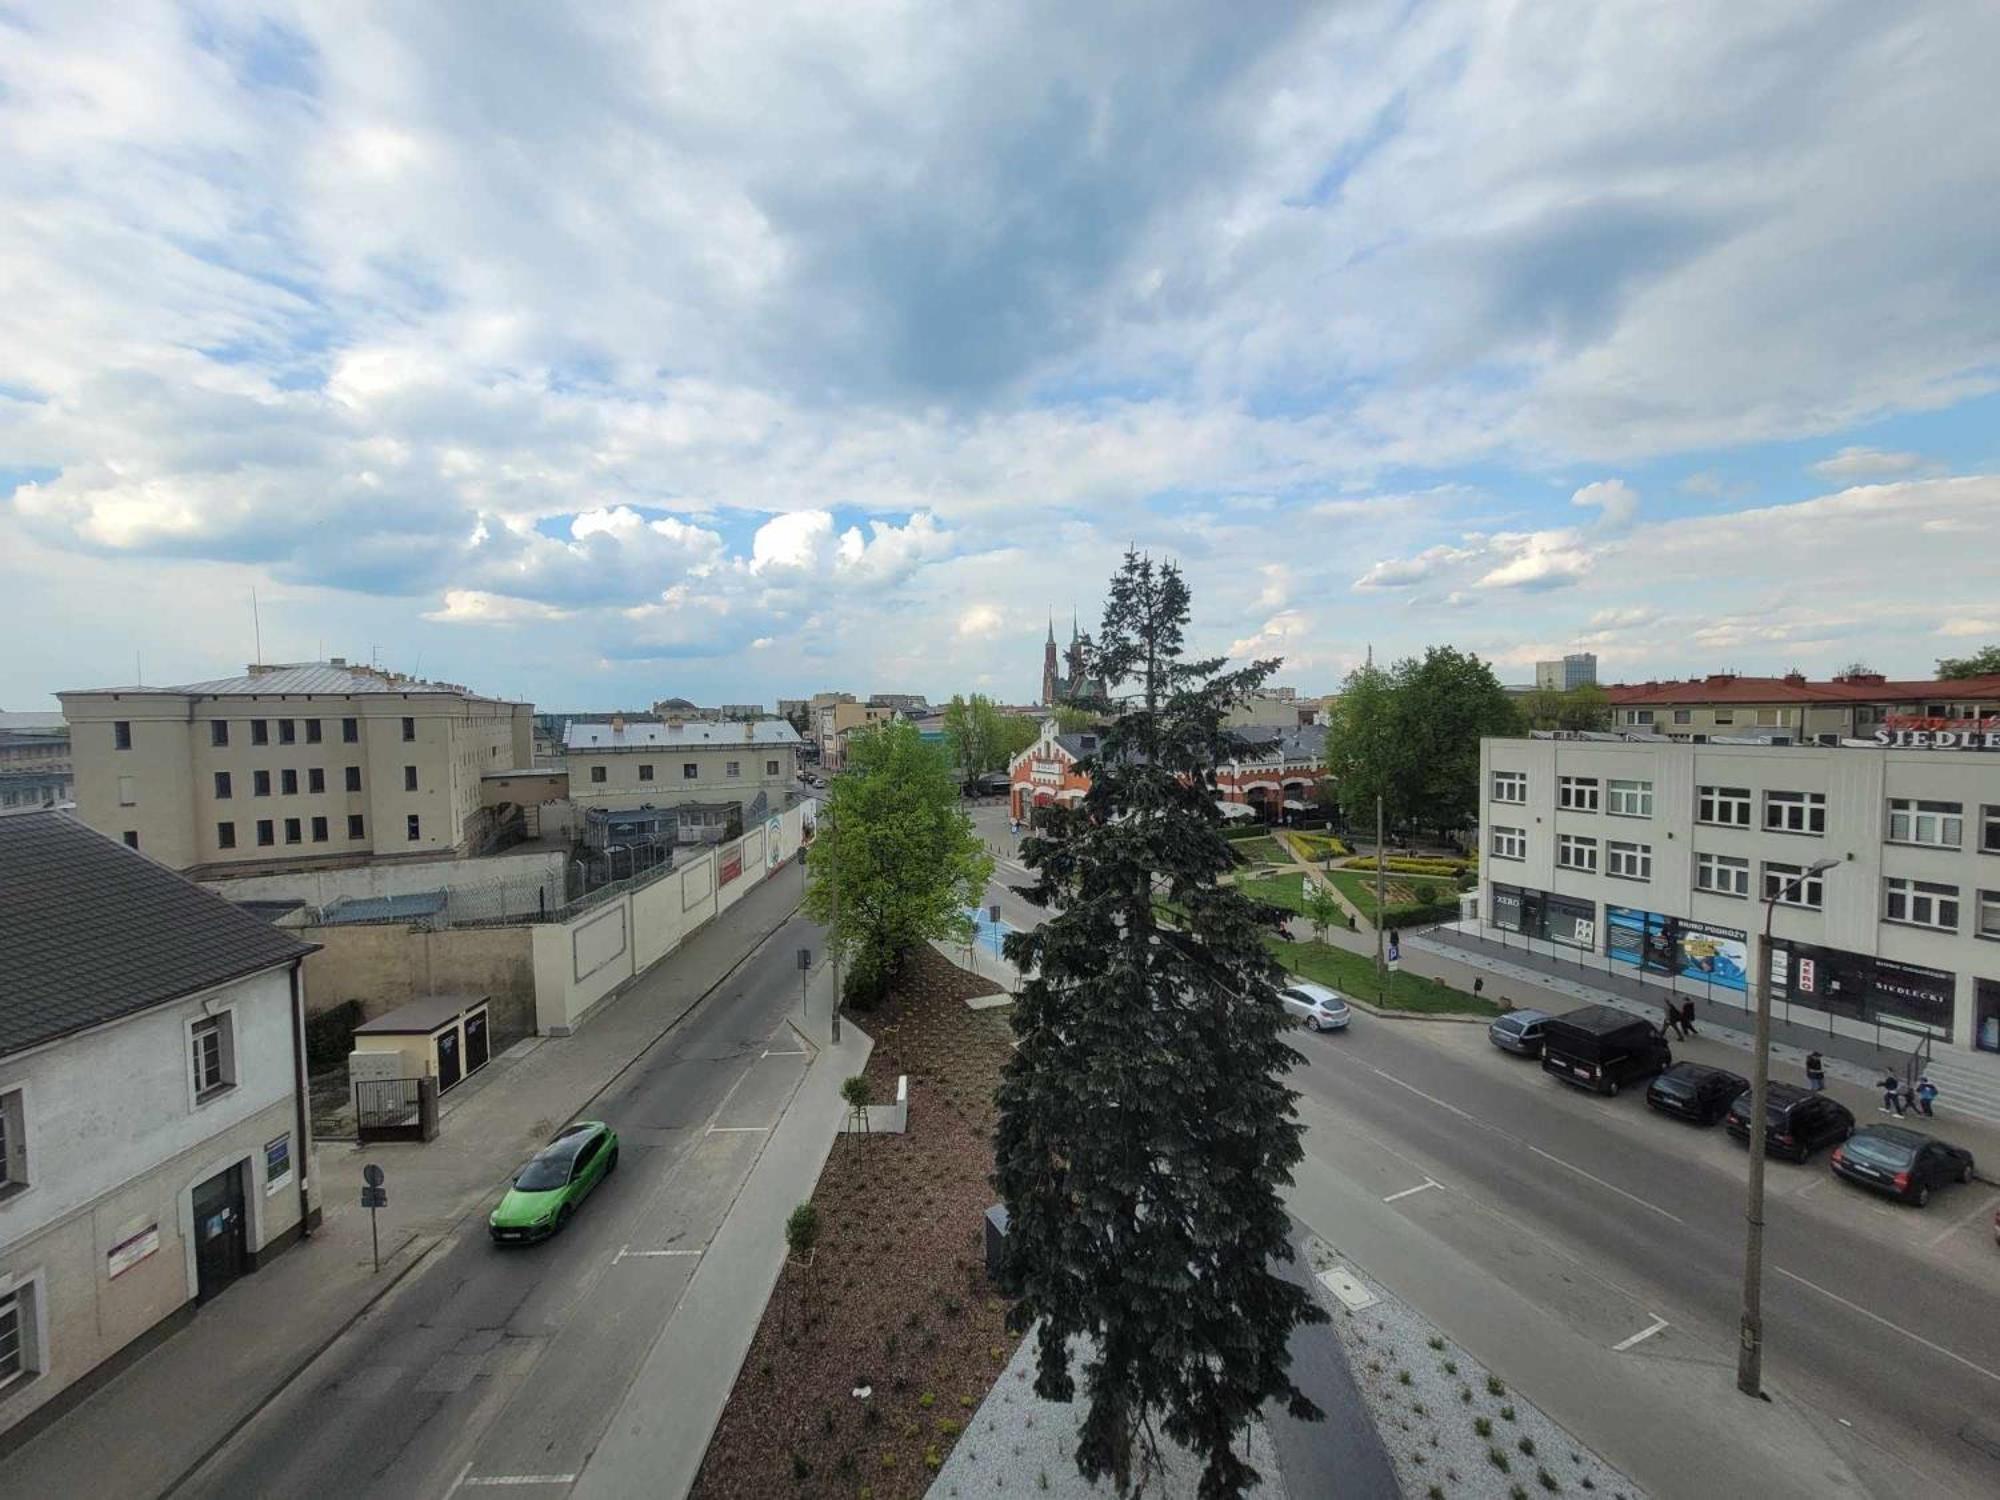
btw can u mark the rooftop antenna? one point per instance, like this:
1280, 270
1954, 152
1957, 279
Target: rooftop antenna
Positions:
256, 626
138, 671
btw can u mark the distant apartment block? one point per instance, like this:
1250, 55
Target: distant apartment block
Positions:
285, 766
1795, 709
630, 766
1576, 670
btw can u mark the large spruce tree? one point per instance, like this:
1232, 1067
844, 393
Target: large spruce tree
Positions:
1145, 1128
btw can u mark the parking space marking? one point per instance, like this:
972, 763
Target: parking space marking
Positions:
736, 1129
1420, 1187
471, 1479
1916, 1338
1641, 1336
1957, 1224
626, 1252
801, 1052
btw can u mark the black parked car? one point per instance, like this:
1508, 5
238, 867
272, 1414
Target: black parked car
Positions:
1694, 1091
1906, 1164
1796, 1122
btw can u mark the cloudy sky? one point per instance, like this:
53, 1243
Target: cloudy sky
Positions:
597, 353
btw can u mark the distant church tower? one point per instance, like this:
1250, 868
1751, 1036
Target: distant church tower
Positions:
1049, 678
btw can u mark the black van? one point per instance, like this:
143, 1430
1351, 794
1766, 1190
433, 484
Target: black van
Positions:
1602, 1048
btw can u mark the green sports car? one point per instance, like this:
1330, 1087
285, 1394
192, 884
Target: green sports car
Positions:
556, 1179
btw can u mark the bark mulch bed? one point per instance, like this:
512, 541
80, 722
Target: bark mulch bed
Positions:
896, 1297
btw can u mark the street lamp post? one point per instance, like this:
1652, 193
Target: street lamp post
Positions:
1750, 1346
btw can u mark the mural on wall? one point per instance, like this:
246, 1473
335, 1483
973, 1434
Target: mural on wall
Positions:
774, 834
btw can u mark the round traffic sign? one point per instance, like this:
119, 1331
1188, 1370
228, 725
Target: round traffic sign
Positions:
372, 1175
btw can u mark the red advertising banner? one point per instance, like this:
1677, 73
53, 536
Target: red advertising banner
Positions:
732, 866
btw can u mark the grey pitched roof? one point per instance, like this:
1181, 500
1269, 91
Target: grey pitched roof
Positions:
91, 931
319, 677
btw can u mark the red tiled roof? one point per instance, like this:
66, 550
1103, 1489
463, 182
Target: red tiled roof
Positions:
1727, 689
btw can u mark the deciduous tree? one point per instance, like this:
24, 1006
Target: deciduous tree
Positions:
895, 862
1145, 1129
1982, 663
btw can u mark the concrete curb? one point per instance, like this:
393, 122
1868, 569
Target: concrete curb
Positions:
1389, 1014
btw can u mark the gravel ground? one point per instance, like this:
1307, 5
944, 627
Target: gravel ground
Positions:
1019, 1444
1431, 1399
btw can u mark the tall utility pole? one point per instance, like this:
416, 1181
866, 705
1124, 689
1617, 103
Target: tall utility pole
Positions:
1750, 1346
1381, 903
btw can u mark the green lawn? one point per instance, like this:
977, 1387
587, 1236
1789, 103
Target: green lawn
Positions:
1263, 850
1359, 887
1281, 890
1354, 974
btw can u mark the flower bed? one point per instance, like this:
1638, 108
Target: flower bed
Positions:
896, 1297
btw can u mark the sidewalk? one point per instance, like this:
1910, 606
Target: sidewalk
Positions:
156, 1420
659, 1436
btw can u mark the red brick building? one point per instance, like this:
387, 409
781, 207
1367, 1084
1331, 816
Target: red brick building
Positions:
1278, 773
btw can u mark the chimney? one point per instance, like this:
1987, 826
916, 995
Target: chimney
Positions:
618, 723
336, 661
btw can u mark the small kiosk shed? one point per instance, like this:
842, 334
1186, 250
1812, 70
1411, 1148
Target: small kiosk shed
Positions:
445, 1037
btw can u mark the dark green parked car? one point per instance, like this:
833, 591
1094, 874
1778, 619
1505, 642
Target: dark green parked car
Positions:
556, 1179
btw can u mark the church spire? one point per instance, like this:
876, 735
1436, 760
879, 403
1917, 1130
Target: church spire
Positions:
1075, 634
1052, 627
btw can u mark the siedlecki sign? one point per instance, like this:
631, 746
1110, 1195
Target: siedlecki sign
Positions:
1914, 732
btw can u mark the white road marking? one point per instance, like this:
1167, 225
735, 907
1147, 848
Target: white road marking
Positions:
522, 1479
1917, 1338
626, 1252
1420, 1093
1607, 1186
801, 1052
737, 1129
1426, 1183
1641, 1336
1957, 1224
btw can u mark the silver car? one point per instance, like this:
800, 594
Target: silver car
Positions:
1320, 1008
1519, 1032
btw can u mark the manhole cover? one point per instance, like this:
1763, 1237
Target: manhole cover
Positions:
1353, 1295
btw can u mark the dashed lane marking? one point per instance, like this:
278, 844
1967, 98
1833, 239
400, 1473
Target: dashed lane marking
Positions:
1641, 1336
1420, 1187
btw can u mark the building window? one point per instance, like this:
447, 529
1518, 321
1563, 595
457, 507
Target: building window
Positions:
1576, 793
1920, 903
13, 1142
354, 778
350, 731
597, 774
312, 731
1912, 821
131, 838
218, 731
1628, 861
1778, 886
770, 768
260, 783
1722, 875
1509, 843
1683, 716
1629, 799
121, 734
354, 826
689, 770
1725, 716
288, 782
409, 778
225, 835
265, 834
645, 772
415, 827
316, 780
1510, 786
1574, 852
17, 1331
293, 834
1989, 829
128, 794
1989, 914
213, 1046
319, 830
409, 728
732, 768
1726, 805
1795, 812
260, 732
288, 731
223, 789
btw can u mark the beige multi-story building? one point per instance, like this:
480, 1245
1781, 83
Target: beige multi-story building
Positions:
290, 765
626, 766
1793, 706
833, 723
1660, 856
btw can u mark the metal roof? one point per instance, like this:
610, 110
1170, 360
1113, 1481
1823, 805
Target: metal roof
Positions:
692, 735
303, 678
91, 931
383, 908
421, 1017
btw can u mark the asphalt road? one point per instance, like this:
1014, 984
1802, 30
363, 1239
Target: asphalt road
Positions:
491, 1366
1882, 1323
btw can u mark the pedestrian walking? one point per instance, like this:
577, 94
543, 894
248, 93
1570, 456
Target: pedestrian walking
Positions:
1673, 1023
1927, 1093
1815, 1072
1687, 1018
1892, 1095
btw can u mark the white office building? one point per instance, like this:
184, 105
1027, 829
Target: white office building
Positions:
1658, 856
